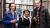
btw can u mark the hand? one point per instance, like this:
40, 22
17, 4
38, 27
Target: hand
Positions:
13, 21
34, 18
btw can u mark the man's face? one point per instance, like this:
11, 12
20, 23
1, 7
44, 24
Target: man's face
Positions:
12, 6
26, 14
37, 4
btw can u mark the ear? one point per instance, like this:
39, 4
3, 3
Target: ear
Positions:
23, 14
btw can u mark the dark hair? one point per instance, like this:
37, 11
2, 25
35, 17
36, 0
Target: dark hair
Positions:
10, 6
41, 2
25, 11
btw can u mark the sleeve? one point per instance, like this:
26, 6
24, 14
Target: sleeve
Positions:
33, 13
32, 21
20, 23
46, 16
6, 18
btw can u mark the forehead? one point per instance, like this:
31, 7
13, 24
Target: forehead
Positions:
26, 11
37, 1
12, 4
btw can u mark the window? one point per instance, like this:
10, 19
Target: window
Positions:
21, 5
0, 10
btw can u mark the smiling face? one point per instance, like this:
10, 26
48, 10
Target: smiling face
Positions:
12, 6
26, 14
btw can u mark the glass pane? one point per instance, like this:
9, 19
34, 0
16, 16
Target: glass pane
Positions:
0, 12
9, 1
25, 1
0, 1
24, 7
31, 8
18, 9
7, 7
30, 2
18, 2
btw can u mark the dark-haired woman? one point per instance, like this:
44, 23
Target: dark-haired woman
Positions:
10, 17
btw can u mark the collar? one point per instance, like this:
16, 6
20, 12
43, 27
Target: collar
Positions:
26, 17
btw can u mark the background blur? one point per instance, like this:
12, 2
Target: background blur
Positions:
21, 5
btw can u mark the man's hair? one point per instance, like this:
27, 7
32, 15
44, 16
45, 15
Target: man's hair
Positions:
10, 6
41, 2
25, 11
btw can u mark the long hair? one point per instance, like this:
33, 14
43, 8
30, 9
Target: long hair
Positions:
10, 6
41, 3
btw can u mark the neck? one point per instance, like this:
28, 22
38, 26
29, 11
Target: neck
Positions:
12, 11
25, 17
38, 8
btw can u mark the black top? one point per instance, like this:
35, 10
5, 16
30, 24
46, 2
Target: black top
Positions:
23, 24
26, 22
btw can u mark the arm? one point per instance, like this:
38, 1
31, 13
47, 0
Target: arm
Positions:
6, 18
20, 23
32, 20
46, 16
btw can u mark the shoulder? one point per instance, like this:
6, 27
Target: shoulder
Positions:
20, 18
15, 12
9, 13
45, 9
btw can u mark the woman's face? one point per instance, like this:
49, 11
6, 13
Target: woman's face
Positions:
12, 7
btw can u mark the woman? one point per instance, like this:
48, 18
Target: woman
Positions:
10, 17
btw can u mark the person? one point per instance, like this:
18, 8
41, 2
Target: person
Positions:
40, 16
10, 17
24, 21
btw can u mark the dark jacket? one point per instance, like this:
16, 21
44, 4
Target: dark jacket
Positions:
43, 18
23, 24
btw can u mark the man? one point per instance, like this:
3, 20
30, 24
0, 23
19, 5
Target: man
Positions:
40, 16
25, 20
